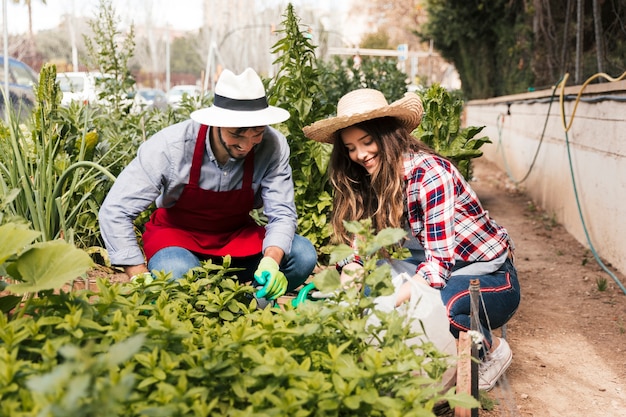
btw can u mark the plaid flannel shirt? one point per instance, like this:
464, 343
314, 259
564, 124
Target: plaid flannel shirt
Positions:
447, 218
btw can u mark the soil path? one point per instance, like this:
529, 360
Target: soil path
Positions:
568, 337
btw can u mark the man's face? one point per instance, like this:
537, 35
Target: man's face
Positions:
239, 141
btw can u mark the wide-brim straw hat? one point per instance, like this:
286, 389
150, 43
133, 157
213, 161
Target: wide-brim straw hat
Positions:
240, 101
366, 104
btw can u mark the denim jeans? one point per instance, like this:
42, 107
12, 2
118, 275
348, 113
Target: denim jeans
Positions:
500, 298
297, 265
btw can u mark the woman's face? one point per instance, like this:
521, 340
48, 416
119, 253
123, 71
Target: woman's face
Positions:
361, 147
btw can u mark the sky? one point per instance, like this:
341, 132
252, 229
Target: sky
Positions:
177, 13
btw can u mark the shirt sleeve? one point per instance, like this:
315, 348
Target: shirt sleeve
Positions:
277, 193
134, 190
431, 209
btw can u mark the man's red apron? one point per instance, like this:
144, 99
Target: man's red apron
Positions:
207, 222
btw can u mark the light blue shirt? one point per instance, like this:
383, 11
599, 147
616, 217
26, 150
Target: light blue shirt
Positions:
160, 171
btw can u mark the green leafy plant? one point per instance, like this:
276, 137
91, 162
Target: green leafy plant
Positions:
441, 129
372, 247
296, 87
602, 284
56, 185
198, 346
29, 268
310, 89
341, 76
109, 52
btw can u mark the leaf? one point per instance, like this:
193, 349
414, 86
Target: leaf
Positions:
47, 382
48, 265
15, 237
353, 402
8, 302
124, 350
340, 252
389, 236
327, 280
461, 399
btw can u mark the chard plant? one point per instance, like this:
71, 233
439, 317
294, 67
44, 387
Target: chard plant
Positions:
441, 129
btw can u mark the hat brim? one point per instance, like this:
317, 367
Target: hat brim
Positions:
408, 110
219, 117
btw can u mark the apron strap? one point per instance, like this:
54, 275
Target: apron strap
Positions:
198, 155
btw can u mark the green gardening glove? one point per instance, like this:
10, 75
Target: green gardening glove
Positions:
274, 282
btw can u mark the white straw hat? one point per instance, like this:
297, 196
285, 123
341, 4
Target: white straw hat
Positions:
366, 104
240, 101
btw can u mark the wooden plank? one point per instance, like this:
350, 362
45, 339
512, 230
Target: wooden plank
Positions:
464, 372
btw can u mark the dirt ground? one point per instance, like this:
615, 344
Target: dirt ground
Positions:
568, 337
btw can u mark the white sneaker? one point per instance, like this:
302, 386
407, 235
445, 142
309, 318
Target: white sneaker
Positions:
494, 365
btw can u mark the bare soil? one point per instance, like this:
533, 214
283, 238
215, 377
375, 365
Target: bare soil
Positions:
568, 336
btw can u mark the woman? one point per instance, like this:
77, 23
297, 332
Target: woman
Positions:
380, 171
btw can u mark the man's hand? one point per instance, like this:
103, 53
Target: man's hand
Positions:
132, 270
274, 282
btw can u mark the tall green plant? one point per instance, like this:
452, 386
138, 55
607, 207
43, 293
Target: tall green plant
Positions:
441, 129
296, 87
109, 52
54, 188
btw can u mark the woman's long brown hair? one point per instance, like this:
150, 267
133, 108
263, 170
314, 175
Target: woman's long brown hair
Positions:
380, 196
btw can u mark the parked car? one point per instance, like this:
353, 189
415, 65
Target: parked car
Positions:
149, 98
79, 86
22, 82
176, 93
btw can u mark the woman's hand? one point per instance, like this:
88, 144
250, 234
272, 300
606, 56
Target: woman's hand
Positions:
404, 293
351, 275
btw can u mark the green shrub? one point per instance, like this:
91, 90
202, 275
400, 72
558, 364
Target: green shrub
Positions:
198, 347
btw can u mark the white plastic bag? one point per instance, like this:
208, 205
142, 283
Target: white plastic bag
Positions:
425, 307
426, 315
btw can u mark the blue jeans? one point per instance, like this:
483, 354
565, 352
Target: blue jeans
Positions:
500, 298
500, 293
297, 265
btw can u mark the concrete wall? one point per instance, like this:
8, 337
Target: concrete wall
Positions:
597, 148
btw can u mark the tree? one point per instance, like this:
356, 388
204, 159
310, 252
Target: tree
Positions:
29, 5
505, 47
29, 50
377, 40
399, 19
486, 41
185, 56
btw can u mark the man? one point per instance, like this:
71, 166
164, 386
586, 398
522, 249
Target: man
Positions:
206, 175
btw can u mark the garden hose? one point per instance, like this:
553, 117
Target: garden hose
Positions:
543, 132
566, 127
